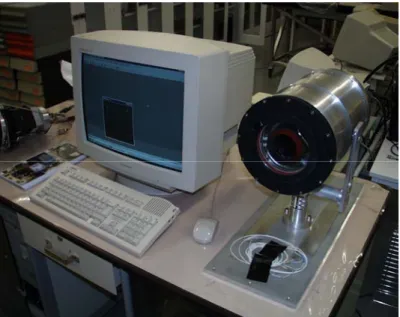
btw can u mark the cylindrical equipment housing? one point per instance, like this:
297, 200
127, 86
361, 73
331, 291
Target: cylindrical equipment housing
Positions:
339, 97
16, 123
291, 141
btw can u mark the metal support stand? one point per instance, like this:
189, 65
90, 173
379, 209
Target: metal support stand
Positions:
341, 196
296, 216
316, 241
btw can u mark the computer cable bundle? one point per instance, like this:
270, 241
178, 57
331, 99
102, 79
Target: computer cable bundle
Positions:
291, 261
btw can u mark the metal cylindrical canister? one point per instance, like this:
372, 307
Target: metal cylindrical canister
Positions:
291, 141
16, 123
339, 97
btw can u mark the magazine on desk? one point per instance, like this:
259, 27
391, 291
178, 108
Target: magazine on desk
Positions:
40, 167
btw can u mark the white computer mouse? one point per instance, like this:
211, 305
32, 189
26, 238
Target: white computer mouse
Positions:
204, 230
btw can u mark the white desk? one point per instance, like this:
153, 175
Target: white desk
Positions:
385, 169
177, 259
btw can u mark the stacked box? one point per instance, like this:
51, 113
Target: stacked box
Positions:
40, 82
3, 46
35, 38
35, 30
8, 81
4, 61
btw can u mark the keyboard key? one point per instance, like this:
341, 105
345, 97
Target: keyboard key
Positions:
128, 239
109, 229
95, 222
147, 228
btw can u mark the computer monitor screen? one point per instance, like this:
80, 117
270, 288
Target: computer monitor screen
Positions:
134, 109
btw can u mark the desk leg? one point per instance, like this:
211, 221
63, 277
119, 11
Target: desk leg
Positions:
127, 294
323, 26
279, 37
272, 41
273, 30
334, 26
292, 30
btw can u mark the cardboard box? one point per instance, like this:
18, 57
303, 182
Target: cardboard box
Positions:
7, 72
32, 100
30, 88
8, 83
30, 77
24, 65
9, 94
4, 61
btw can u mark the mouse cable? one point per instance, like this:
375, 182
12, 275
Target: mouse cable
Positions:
217, 186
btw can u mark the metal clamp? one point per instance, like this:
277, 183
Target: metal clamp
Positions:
296, 216
42, 118
341, 196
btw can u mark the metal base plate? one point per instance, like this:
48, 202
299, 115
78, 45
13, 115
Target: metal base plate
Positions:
315, 242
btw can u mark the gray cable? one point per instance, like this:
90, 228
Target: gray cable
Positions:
217, 186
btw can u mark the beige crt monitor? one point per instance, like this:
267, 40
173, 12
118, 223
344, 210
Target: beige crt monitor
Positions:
159, 108
365, 40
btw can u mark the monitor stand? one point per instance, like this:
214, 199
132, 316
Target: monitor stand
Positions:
145, 188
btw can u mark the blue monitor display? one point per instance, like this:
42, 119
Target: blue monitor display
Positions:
134, 109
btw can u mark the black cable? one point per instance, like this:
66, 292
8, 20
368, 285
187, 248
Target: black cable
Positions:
217, 186
366, 295
379, 105
358, 313
293, 52
386, 113
297, 50
394, 145
65, 110
378, 128
379, 67
390, 86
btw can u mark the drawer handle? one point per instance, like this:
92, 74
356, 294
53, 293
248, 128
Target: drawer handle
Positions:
59, 256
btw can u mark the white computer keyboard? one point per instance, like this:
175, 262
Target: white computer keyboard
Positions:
116, 213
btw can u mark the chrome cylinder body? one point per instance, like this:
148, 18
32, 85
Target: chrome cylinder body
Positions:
329, 192
291, 141
339, 97
16, 123
296, 217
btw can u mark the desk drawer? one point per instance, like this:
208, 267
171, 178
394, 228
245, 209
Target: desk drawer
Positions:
69, 255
